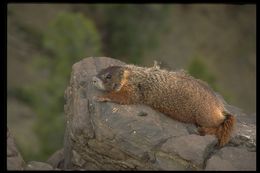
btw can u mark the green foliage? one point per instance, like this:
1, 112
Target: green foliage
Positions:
199, 69
130, 29
69, 38
22, 94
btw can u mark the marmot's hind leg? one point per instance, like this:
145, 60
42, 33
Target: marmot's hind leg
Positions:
207, 131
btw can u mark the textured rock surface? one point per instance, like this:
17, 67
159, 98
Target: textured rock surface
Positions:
108, 136
14, 158
191, 147
231, 159
56, 160
33, 165
245, 133
16, 162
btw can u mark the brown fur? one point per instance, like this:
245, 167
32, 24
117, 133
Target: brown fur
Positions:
176, 94
222, 132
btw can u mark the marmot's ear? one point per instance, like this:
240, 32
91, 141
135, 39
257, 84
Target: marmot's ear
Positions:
121, 73
156, 65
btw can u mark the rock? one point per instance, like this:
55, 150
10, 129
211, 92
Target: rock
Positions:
14, 158
232, 159
57, 159
33, 165
169, 162
95, 128
109, 136
191, 147
245, 133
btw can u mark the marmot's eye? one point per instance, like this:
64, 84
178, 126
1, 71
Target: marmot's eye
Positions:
108, 76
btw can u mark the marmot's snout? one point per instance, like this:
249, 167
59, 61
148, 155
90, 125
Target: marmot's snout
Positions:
94, 79
97, 83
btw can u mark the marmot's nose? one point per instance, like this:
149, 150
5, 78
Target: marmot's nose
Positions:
94, 79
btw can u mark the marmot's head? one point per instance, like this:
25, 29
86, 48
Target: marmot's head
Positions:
109, 79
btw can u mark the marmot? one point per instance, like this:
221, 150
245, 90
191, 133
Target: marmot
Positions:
176, 94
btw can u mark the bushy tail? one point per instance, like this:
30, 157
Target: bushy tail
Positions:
223, 132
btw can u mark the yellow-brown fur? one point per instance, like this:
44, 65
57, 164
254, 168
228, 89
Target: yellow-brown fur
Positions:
175, 94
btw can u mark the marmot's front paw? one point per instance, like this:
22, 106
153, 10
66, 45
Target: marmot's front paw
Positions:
100, 99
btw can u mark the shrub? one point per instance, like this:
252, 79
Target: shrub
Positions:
68, 38
199, 69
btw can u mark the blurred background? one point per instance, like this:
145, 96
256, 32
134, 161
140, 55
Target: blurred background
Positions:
216, 43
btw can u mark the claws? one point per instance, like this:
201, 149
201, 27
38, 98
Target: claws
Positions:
101, 99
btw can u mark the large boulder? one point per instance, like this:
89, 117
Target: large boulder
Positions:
109, 136
56, 160
14, 158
